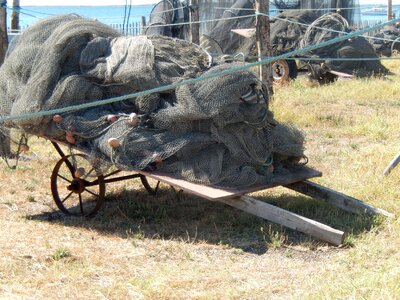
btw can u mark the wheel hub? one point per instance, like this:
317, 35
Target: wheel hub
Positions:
77, 186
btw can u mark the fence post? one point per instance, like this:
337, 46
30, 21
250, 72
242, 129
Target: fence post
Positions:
194, 22
263, 42
143, 25
15, 16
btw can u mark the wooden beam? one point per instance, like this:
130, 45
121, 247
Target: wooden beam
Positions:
390, 10
194, 22
215, 193
263, 42
335, 198
392, 165
3, 31
286, 218
15, 16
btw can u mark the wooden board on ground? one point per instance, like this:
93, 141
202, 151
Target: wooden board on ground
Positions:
216, 193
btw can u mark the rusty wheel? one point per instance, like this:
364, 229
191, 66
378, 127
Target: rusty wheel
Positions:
280, 71
78, 188
152, 191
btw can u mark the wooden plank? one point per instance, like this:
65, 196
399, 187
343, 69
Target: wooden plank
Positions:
215, 193
392, 165
248, 33
341, 74
286, 218
335, 198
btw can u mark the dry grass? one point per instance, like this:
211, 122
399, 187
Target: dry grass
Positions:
175, 246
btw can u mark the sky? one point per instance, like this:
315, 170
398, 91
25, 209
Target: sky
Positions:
134, 2
81, 2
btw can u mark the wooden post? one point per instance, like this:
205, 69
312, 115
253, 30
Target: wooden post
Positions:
335, 198
194, 22
390, 10
15, 16
392, 165
143, 25
263, 41
3, 31
286, 218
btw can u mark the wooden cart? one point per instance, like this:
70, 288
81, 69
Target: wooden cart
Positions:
78, 188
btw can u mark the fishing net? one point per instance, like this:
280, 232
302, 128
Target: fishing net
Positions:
338, 57
214, 131
168, 18
387, 40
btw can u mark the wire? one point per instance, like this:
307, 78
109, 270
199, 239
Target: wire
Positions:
203, 21
192, 80
322, 28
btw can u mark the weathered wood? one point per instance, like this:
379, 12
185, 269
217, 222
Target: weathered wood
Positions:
263, 42
15, 16
392, 165
390, 10
248, 33
3, 31
216, 193
143, 27
341, 74
194, 22
286, 218
335, 198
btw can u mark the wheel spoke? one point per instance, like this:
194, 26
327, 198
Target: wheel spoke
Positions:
64, 178
87, 175
65, 199
80, 202
90, 192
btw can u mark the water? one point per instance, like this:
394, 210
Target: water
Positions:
106, 14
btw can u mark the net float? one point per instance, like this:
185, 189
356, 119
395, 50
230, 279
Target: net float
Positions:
69, 133
113, 142
70, 138
79, 172
112, 118
157, 159
24, 148
133, 119
57, 118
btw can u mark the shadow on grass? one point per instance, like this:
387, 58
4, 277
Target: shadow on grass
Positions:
178, 216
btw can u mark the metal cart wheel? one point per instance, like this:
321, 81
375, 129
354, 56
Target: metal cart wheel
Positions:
280, 71
152, 191
77, 187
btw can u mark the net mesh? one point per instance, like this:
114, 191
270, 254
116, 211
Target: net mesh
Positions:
215, 131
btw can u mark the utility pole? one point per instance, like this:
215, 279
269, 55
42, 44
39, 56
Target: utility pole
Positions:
264, 42
15, 16
194, 21
3, 30
390, 10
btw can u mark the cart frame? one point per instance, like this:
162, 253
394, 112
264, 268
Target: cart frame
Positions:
297, 180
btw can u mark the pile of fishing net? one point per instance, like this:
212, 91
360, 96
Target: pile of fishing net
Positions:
214, 131
387, 40
311, 23
354, 56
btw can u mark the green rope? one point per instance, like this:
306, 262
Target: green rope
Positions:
192, 80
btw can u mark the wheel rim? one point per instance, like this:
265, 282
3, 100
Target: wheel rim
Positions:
78, 196
148, 187
280, 71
